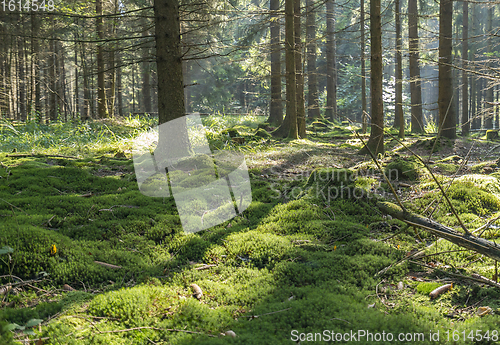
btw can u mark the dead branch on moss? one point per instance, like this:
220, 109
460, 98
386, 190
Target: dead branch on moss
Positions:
108, 265
21, 155
468, 241
156, 329
474, 277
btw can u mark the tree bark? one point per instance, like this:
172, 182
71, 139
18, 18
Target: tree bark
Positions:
291, 80
331, 70
399, 121
146, 82
289, 126
312, 73
22, 76
376, 141
489, 109
276, 105
417, 120
301, 109
447, 118
102, 109
173, 140
476, 244
465, 79
363, 117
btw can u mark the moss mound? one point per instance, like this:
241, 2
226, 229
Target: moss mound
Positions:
402, 169
262, 133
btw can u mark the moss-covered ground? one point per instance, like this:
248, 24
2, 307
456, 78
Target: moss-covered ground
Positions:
87, 259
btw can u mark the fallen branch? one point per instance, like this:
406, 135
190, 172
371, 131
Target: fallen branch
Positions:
108, 265
475, 277
156, 329
468, 241
20, 155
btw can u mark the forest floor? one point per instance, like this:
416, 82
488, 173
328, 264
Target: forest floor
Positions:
87, 259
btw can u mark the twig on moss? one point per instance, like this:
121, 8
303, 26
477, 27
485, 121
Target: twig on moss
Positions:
21, 155
475, 277
108, 265
273, 312
464, 162
156, 329
486, 226
437, 183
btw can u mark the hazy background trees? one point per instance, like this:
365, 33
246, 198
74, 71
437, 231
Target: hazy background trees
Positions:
96, 60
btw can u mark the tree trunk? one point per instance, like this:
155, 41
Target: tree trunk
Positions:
475, 120
331, 70
102, 109
376, 141
399, 121
417, 120
87, 111
364, 119
35, 65
289, 126
447, 119
489, 110
119, 93
52, 82
291, 80
312, 73
301, 109
173, 140
146, 82
276, 105
22, 77
465, 82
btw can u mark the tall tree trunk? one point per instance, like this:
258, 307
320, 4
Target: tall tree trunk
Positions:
76, 95
312, 73
489, 109
291, 80
447, 119
87, 105
301, 109
364, 118
475, 120
22, 77
52, 81
276, 105
399, 121
376, 141
331, 70
173, 140
465, 82
289, 126
102, 109
35, 65
119, 93
146, 82
417, 120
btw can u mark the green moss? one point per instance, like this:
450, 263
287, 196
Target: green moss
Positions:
262, 133
231, 132
402, 169
426, 288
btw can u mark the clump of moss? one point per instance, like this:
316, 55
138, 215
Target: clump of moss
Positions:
491, 134
129, 305
262, 133
231, 132
426, 288
402, 169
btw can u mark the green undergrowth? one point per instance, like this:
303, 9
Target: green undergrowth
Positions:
306, 262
